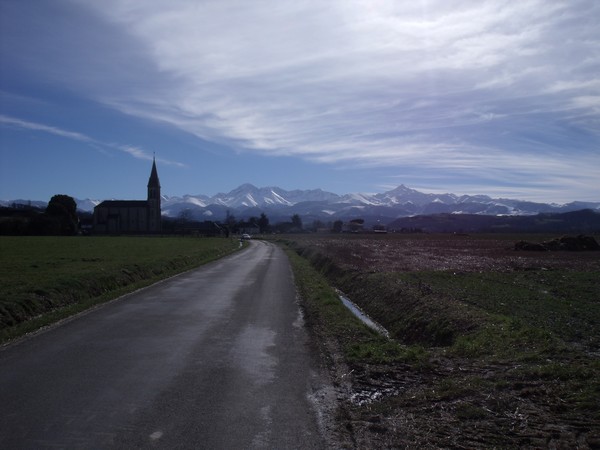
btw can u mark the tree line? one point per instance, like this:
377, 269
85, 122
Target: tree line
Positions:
263, 225
58, 218
232, 225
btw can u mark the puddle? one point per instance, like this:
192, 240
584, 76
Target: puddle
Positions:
368, 396
362, 316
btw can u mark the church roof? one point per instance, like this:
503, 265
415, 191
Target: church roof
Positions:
153, 180
123, 204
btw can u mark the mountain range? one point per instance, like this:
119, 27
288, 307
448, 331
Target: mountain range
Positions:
315, 204
248, 200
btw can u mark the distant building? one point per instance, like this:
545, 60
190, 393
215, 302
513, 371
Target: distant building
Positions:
131, 216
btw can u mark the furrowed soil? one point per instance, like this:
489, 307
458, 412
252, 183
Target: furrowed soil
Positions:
505, 344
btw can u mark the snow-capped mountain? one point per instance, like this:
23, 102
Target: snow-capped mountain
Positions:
32, 203
87, 204
248, 200
250, 196
244, 197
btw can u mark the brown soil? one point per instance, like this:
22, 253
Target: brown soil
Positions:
449, 401
389, 253
454, 405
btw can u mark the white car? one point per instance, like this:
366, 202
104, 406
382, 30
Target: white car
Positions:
246, 236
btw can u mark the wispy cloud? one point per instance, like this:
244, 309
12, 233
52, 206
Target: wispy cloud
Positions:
488, 87
136, 152
245, 69
14, 122
133, 151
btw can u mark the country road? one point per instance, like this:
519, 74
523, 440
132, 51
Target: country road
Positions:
214, 358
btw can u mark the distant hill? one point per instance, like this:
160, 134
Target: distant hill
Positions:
384, 208
583, 221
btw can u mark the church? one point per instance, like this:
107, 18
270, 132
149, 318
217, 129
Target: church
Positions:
131, 216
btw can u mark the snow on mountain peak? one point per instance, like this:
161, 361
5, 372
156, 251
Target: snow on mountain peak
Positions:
194, 201
278, 199
356, 198
401, 201
251, 201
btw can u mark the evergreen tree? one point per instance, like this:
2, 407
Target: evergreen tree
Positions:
296, 221
63, 209
263, 223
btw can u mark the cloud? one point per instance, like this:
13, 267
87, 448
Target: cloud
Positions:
453, 86
136, 152
245, 69
11, 121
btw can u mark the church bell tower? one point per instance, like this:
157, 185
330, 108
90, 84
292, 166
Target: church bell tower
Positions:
154, 215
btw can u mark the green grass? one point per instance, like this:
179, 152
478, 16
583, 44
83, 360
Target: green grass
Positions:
561, 302
503, 314
480, 314
44, 279
479, 345
465, 411
499, 314
381, 350
331, 320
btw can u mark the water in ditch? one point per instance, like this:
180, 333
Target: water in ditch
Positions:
355, 309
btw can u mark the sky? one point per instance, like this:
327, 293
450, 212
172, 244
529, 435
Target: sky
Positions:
470, 97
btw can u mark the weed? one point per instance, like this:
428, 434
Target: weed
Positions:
382, 351
466, 411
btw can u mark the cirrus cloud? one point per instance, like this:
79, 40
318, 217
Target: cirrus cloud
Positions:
452, 87
131, 150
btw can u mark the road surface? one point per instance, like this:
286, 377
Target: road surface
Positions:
215, 358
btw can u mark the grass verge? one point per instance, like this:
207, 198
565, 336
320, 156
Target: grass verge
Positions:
45, 279
496, 358
332, 321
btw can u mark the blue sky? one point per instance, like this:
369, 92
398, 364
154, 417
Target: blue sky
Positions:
486, 97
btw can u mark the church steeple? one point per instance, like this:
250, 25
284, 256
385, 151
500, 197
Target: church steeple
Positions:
154, 213
153, 180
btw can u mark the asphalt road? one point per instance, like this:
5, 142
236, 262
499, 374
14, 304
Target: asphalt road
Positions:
215, 358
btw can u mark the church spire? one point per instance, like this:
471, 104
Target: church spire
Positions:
154, 214
153, 181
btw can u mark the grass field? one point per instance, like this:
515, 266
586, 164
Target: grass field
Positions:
491, 347
44, 279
